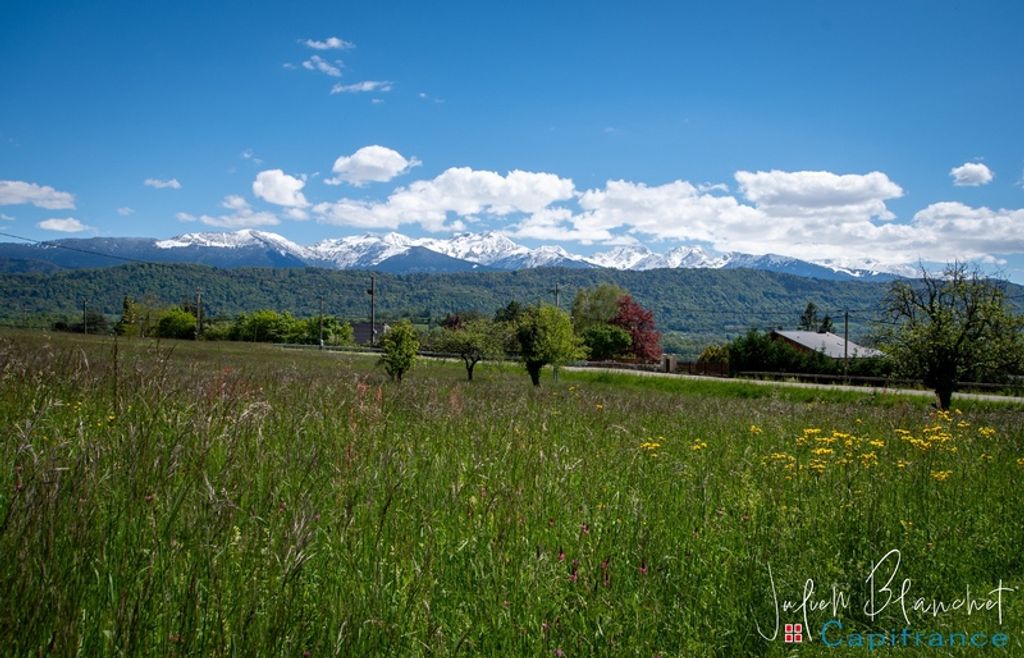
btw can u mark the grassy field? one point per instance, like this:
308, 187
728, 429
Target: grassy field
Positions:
230, 499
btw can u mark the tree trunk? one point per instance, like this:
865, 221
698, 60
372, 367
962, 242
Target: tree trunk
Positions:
944, 395
469, 369
534, 370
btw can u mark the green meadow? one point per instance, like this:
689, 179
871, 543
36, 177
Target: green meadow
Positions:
177, 498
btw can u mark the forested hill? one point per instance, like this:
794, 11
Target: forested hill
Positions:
715, 302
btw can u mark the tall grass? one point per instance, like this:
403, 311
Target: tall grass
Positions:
244, 500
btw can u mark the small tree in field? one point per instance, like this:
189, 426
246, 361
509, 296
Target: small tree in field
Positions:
951, 328
639, 322
400, 345
606, 341
473, 341
546, 338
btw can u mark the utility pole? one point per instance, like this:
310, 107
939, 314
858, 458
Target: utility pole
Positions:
372, 292
321, 321
199, 313
557, 292
846, 343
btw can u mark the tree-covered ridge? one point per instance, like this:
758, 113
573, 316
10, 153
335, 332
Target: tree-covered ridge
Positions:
691, 302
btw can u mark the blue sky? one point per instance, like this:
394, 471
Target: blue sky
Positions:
862, 133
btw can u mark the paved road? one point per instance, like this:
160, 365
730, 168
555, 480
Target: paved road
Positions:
986, 397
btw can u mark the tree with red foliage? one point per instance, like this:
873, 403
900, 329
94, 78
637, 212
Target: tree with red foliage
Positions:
639, 323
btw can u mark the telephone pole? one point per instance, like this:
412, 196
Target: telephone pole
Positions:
846, 343
372, 292
321, 321
557, 291
199, 313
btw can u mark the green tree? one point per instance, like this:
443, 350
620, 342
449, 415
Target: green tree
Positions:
177, 323
953, 328
597, 305
128, 325
809, 318
546, 338
826, 326
400, 344
605, 341
472, 341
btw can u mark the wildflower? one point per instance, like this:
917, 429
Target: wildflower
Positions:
559, 653
698, 445
986, 432
561, 555
818, 466
902, 463
941, 475
599, 407
754, 429
822, 451
1020, 462
585, 528
643, 568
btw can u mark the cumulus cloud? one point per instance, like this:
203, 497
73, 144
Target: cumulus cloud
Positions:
370, 164
330, 43
318, 63
159, 184
971, 174
807, 193
241, 215
361, 87
461, 191
6, 218
275, 186
16, 192
65, 225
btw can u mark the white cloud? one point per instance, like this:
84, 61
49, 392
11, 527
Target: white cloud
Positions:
15, 192
248, 154
364, 86
461, 191
159, 184
318, 63
275, 186
6, 218
65, 225
330, 43
971, 174
817, 193
125, 211
241, 215
370, 164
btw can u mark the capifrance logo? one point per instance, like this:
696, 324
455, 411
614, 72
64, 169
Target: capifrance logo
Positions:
892, 613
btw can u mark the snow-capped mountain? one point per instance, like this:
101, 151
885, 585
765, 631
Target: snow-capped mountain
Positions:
481, 248
360, 251
393, 252
236, 239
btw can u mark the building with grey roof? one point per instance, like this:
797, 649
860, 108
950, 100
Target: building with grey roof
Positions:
829, 344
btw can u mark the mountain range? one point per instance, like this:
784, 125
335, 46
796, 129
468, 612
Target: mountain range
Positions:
392, 253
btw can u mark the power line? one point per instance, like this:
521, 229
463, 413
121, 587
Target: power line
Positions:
79, 249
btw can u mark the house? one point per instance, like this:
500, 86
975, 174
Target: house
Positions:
829, 344
362, 332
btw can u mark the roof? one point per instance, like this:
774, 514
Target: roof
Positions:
829, 344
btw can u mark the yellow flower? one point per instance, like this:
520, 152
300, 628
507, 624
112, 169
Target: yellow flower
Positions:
754, 429
902, 463
599, 407
1020, 462
698, 445
941, 475
878, 443
987, 432
822, 451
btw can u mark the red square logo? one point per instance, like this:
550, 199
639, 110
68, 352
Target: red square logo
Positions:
794, 633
